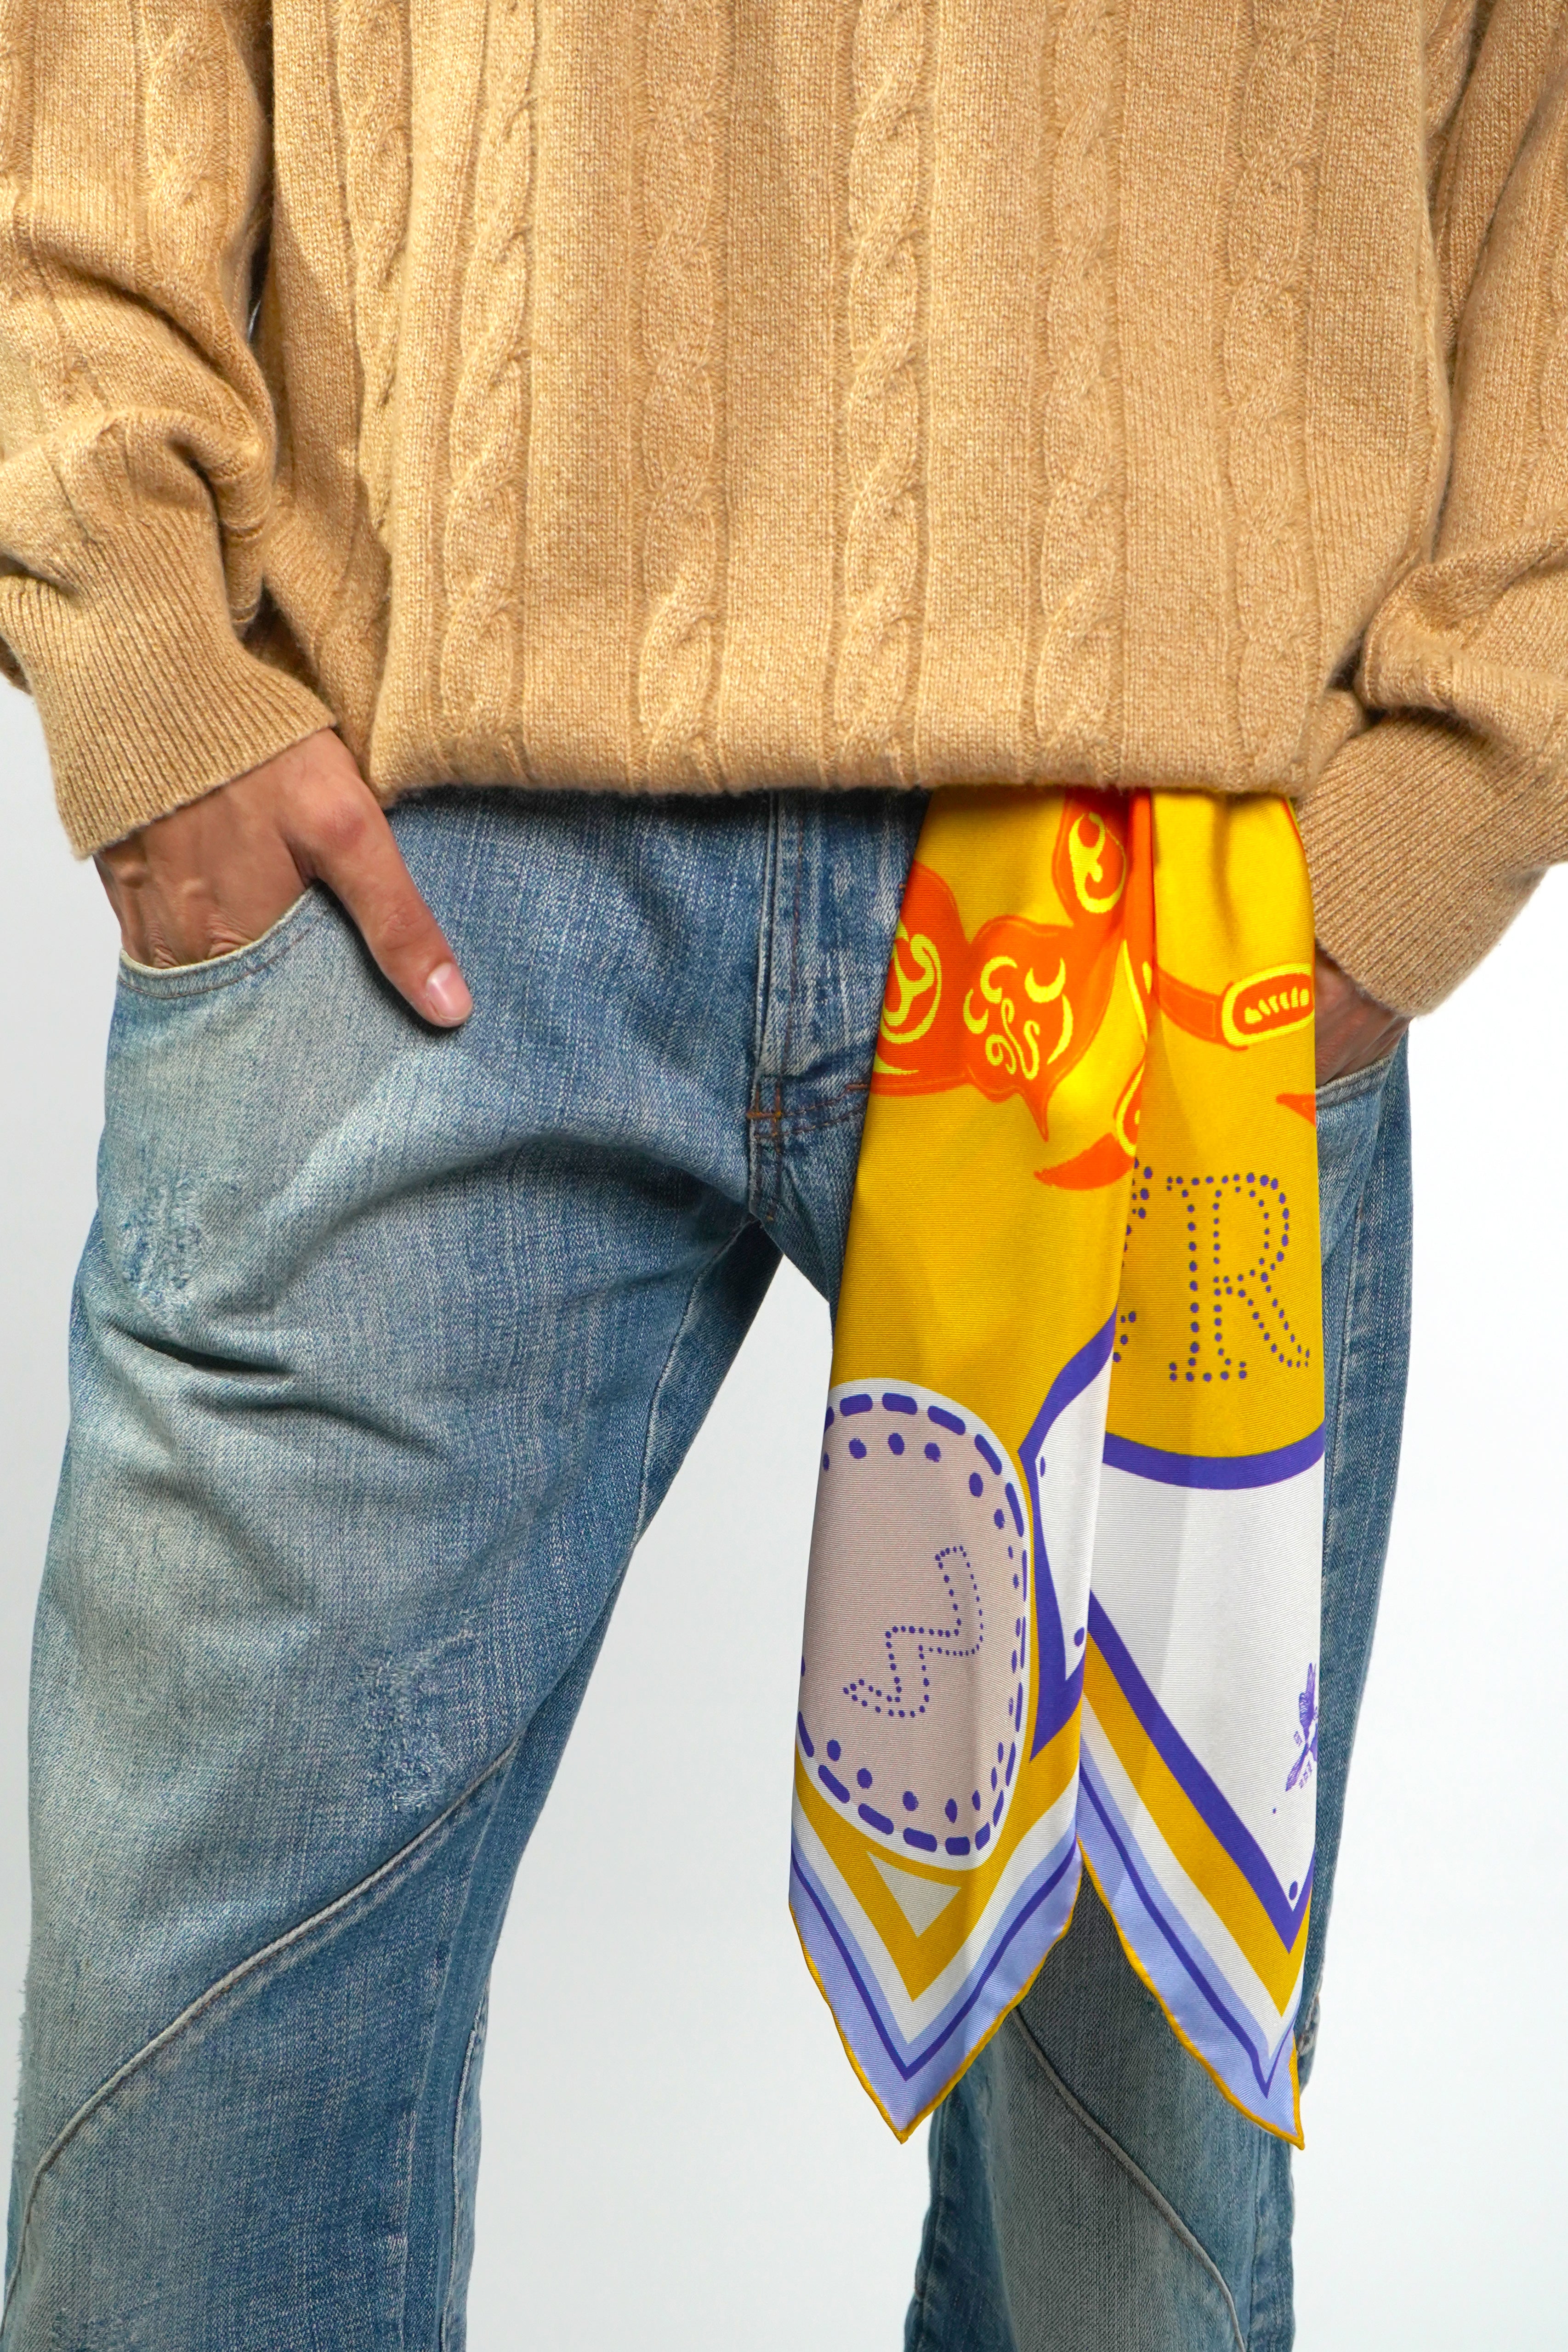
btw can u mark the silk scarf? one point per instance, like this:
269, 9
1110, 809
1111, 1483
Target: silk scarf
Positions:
1062, 1609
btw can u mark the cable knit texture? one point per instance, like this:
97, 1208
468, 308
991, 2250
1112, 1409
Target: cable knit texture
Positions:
373, 94
1268, 240
680, 396
483, 535
882, 421
1076, 663
686, 44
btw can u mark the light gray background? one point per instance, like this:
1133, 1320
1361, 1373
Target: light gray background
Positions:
677, 2155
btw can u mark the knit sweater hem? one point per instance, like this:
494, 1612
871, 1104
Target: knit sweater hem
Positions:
692, 396
195, 709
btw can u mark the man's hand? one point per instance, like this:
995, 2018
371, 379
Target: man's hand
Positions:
1354, 1031
214, 876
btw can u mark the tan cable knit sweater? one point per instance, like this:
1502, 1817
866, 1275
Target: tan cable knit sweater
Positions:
697, 394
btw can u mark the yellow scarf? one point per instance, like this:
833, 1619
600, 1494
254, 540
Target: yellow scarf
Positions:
1063, 1603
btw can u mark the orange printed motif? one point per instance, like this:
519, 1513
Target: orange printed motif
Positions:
1266, 1005
1015, 1010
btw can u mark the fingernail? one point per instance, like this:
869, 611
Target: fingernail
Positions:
447, 997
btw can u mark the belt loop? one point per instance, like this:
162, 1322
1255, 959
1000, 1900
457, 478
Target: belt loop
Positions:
765, 1112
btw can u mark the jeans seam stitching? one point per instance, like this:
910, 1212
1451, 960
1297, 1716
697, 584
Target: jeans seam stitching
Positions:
1357, 1276
942, 2201
1352, 1241
758, 1119
167, 2035
1139, 2179
786, 1049
456, 2136
229, 978
1353, 1244
1259, 2272
709, 1267
798, 1127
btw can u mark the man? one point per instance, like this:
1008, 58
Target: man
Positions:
702, 428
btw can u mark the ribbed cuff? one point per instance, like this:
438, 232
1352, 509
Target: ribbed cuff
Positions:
1423, 843
148, 697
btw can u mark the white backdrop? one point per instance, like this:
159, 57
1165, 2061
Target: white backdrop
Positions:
677, 2155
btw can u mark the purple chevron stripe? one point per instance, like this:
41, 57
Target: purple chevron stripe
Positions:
1177, 1986
1208, 1798
1223, 1470
1071, 1381
1059, 1686
1036, 1891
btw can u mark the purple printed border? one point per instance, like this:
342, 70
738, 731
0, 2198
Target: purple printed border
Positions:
1208, 1799
838, 1959
1274, 2093
1057, 1690
1227, 1470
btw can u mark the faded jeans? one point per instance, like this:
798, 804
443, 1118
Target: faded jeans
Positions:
385, 1348
1090, 2186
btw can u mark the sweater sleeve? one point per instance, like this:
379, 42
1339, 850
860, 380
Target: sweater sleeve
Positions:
136, 434
1428, 830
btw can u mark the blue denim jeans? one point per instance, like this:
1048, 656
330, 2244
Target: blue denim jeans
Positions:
386, 1346
1091, 2189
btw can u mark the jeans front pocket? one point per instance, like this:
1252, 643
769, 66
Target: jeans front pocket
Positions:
175, 982
223, 1079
